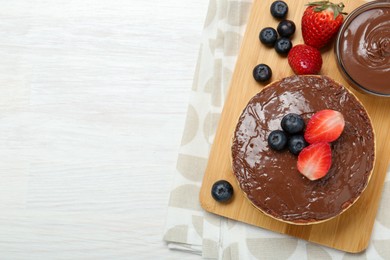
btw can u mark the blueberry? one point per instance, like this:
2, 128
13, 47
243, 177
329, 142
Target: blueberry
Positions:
283, 45
292, 123
268, 36
279, 9
277, 140
262, 73
222, 191
286, 28
296, 143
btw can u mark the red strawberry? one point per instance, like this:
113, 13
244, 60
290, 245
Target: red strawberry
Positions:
315, 160
320, 22
324, 126
304, 59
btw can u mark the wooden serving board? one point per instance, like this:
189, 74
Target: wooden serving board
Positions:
350, 231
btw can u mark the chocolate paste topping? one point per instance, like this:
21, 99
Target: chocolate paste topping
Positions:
270, 179
365, 48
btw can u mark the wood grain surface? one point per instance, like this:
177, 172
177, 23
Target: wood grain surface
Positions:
350, 231
87, 89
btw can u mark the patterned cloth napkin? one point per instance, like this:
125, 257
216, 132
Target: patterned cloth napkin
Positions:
188, 226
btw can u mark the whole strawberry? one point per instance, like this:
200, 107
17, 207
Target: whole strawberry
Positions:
304, 59
321, 22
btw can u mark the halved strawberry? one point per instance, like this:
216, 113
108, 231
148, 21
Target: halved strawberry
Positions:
324, 126
315, 160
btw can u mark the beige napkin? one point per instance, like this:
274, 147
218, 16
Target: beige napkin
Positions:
188, 226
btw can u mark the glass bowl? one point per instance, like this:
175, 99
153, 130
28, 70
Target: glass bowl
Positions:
363, 48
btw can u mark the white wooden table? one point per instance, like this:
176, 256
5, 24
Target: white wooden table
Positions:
93, 95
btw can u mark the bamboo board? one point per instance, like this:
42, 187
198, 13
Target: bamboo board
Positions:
350, 231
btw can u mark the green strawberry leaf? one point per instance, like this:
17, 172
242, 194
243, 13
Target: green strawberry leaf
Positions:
320, 6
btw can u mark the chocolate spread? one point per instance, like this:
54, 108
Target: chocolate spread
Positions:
270, 179
365, 48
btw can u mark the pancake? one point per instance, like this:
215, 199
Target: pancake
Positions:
270, 179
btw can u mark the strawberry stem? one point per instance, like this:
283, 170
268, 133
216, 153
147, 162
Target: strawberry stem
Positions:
320, 6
